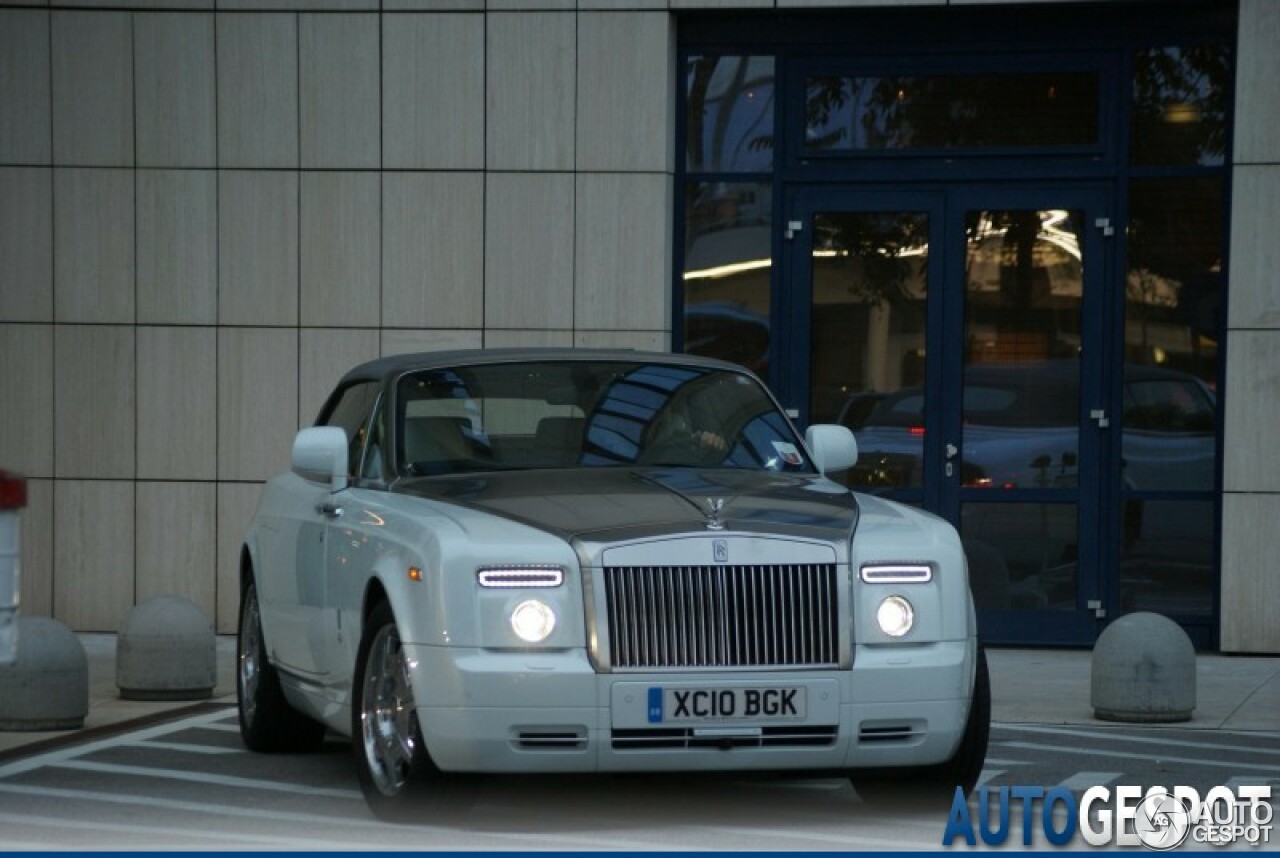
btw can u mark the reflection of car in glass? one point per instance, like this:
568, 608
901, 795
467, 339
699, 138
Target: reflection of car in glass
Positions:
495, 562
1021, 430
857, 409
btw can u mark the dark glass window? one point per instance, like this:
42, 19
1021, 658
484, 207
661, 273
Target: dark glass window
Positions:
1168, 557
1180, 106
1173, 298
727, 265
729, 114
869, 292
951, 111
1022, 556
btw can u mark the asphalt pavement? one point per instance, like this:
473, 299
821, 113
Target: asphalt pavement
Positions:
1028, 686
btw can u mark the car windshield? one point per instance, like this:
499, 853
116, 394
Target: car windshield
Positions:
584, 413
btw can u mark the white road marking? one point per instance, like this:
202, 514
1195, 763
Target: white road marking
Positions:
1084, 780
1144, 740
184, 748
181, 835
201, 807
204, 778
221, 728
1253, 780
343, 822
23, 845
1166, 758
989, 775
39, 761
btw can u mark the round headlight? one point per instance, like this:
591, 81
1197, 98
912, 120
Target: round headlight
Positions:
895, 616
533, 621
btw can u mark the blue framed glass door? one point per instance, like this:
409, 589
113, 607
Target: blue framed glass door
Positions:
959, 332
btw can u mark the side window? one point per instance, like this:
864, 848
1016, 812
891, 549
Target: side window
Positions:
351, 409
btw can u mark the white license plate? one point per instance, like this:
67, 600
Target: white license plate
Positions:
683, 705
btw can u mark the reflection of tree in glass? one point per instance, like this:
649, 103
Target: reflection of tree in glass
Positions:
951, 111
825, 104
734, 93
885, 248
1174, 271
1180, 105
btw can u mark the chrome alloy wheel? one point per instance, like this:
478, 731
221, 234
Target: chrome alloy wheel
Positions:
250, 658
389, 721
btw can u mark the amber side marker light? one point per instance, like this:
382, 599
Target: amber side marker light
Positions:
415, 574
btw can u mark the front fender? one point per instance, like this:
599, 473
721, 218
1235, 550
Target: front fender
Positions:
422, 557
891, 533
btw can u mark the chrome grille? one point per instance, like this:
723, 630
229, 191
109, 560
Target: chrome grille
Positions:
722, 616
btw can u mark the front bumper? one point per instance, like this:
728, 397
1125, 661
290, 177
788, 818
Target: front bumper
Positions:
490, 711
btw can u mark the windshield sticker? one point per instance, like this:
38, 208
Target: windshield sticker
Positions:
788, 452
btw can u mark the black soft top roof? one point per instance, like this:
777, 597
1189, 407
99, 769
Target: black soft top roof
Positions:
394, 365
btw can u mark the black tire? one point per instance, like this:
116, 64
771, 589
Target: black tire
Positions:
938, 782
965, 766
399, 780
268, 724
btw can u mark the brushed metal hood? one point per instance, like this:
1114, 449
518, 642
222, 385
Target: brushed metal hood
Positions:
605, 504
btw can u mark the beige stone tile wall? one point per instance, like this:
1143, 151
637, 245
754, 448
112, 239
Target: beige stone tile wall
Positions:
25, 123
339, 98
432, 250
208, 214
92, 73
176, 242
175, 89
1251, 506
26, 243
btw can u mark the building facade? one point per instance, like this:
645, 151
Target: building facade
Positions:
910, 218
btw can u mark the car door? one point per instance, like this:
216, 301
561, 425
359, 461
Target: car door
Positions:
291, 538
354, 537
307, 532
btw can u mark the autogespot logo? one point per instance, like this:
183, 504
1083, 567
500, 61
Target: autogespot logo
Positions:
1159, 818
1162, 820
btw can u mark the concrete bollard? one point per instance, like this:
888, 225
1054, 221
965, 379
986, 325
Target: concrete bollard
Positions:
46, 687
166, 650
1144, 671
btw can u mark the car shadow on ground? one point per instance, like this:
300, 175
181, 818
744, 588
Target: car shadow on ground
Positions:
604, 802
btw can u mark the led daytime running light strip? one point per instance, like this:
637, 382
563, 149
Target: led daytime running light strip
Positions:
512, 577
900, 573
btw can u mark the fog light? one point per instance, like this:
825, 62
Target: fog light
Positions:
533, 621
895, 616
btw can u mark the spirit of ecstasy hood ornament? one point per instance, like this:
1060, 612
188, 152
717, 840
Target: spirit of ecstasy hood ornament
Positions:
714, 505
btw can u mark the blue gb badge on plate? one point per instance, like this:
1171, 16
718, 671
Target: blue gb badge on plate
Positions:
655, 705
